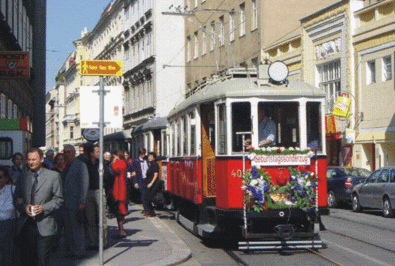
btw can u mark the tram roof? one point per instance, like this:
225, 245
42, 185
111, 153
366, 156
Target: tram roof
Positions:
155, 123
247, 88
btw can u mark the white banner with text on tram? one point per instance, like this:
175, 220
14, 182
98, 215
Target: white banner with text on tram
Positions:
89, 106
283, 160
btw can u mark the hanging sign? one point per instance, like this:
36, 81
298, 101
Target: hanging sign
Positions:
14, 65
342, 107
101, 68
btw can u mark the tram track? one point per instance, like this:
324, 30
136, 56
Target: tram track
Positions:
358, 239
240, 261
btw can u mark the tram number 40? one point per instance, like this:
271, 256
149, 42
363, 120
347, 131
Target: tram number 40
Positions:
236, 173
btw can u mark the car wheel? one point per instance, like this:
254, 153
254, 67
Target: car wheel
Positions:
332, 202
387, 208
356, 206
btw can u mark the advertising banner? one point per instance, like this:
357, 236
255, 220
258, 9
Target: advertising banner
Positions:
89, 106
14, 65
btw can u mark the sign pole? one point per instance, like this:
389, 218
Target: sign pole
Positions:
101, 131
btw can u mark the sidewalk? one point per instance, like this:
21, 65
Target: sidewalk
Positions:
149, 242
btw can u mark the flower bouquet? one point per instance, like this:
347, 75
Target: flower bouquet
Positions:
261, 193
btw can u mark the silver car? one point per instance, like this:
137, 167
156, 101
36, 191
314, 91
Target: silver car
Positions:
377, 192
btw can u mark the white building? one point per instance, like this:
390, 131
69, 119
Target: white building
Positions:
153, 44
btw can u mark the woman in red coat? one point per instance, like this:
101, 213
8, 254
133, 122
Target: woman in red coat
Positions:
119, 190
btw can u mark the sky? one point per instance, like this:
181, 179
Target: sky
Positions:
65, 21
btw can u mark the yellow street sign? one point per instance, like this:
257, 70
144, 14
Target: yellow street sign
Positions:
101, 68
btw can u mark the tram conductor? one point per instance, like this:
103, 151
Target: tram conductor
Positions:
266, 131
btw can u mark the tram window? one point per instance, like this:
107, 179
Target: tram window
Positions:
285, 115
313, 125
222, 129
173, 139
178, 138
241, 122
185, 135
192, 131
164, 143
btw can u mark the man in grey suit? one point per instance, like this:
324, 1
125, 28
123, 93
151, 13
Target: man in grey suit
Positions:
38, 195
75, 189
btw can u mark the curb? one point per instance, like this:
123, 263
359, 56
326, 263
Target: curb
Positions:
180, 251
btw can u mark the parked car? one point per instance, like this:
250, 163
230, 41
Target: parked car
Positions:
341, 181
377, 192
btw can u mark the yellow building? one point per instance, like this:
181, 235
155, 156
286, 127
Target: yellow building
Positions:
374, 48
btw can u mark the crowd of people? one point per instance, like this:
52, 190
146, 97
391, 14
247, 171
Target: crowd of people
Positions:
58, 194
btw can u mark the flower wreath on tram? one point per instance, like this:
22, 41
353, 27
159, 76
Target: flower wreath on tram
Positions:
262, 193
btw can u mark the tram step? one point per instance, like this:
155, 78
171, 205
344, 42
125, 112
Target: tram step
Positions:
280, 245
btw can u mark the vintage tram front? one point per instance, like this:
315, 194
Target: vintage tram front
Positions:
220, 188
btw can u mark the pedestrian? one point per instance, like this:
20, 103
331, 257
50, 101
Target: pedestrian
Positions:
38, 195
17, 166
81, 149
59, 162
75, 186
7, 219
93, 198
140, 166
49, 158
153, 183
119, 189
129, 182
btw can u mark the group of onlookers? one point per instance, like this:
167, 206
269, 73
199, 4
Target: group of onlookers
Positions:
59, 194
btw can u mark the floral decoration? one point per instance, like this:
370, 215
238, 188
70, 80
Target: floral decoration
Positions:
261, 193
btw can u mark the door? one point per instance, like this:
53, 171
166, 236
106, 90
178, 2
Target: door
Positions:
365, 193
208, 150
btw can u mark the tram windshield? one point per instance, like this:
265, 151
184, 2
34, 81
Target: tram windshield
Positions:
273, 124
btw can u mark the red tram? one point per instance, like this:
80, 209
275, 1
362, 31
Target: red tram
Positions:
209, 174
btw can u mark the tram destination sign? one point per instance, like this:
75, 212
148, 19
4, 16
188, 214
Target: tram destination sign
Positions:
101, 68
14, 65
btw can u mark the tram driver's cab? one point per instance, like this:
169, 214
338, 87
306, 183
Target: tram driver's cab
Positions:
296, 124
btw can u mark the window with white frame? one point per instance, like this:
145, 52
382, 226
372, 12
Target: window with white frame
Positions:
179, 137
196, 51
212, 36
71, 132
231, 26
386, 68
192, 133
329, 81
222, 129
370, 72
222, 32
254, 22
242, 20
204, 41
10, 105
188, 49
185, 135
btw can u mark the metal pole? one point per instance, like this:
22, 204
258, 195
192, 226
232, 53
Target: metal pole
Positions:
101, 131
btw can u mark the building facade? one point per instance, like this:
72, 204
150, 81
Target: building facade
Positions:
153, 47
233, 34
23, 30
374, 50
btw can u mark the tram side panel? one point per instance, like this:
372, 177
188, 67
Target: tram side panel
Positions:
184, 179
229, 176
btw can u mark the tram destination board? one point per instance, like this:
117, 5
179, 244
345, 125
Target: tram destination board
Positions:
101, 68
